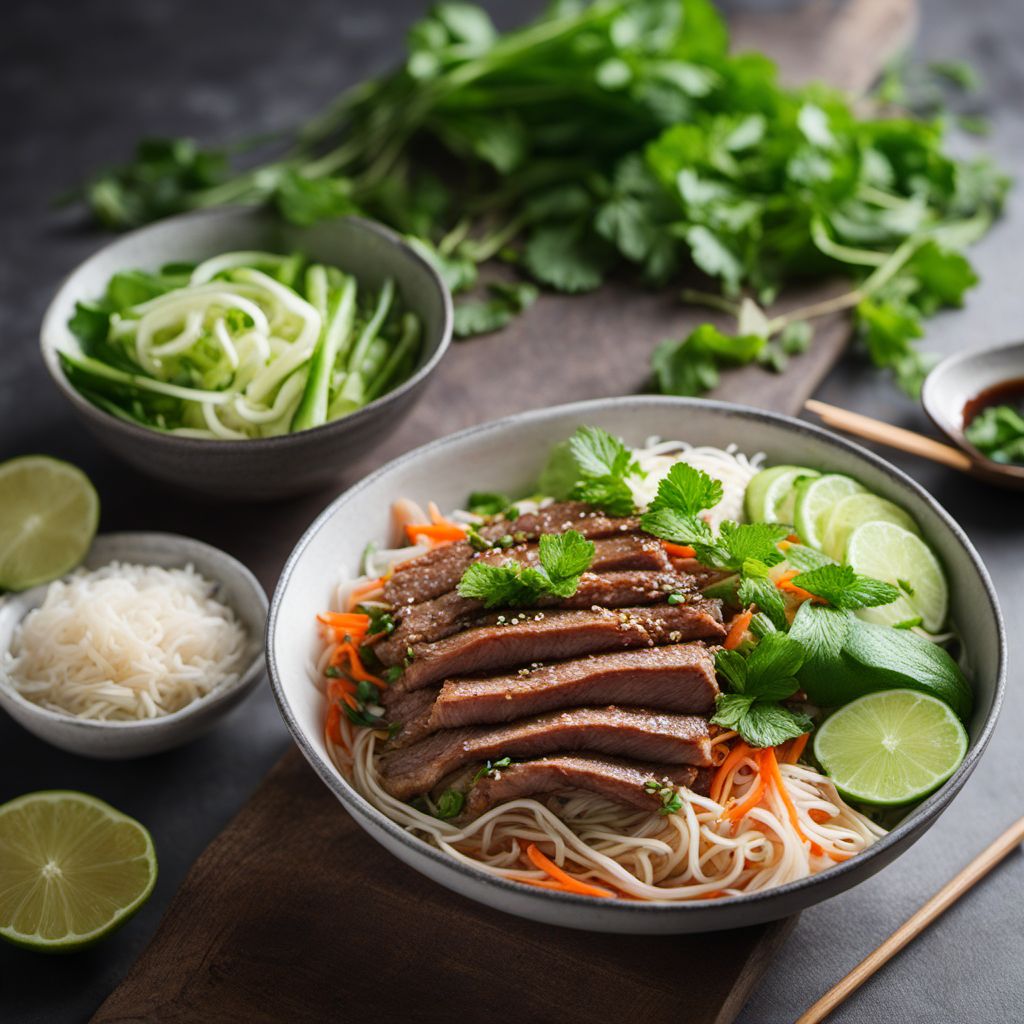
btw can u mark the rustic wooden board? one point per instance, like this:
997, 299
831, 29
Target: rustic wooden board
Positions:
293, 913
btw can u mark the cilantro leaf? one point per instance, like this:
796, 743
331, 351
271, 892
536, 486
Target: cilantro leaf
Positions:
564, 257
563, 557
599, 465
844, 588
599, 454
690, 367
687, 489
736, 543
672, 525
504, 304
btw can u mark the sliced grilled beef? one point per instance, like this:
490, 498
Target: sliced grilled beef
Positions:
519, 638
678, 678
620, 732
621, 781
439, 570
447, 614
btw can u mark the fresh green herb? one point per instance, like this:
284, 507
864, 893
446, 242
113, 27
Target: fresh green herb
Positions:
332, 672
393, 673
738, 544
671, 802
492, 768
683, 494
490, 503
620, 132
564, 557
592, 466
381, 620
804, 559
998, 432
449, 804
758, 682
844, 588
757, 587
504, 304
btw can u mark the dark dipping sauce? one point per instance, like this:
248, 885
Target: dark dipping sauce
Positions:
1009, 392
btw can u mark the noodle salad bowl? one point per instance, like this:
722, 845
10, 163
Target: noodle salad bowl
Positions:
507, 457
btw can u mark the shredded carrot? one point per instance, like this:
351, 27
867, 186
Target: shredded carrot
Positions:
737, 812
738, 752
793, 539
362, 590
784, 582
678, 550
436, 533
358, 671
796, 748
350, 701
839, 857
349, 621
570, 884
818, 816
334, 722
337, 686
770, 766
737, 629
716, 894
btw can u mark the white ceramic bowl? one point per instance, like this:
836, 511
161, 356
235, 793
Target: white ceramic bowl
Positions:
237, 587
507, 456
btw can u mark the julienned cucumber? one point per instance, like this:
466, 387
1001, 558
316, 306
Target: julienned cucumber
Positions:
848, 657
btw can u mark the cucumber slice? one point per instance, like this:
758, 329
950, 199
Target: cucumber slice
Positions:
768, 493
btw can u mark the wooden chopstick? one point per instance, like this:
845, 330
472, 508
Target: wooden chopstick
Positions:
910, 929
885, 433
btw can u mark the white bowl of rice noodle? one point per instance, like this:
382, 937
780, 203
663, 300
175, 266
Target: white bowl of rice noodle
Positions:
141, 649
506, 456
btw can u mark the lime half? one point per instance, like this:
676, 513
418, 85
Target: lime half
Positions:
769, 494
888, 552
72, 869
49, 512
853, 511
891, 748
815, 499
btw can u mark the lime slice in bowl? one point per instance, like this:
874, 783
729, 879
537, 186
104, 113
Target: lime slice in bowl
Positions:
72, 869
49, 512
891, 748
850, 512
888, 552
815, 499
769, 492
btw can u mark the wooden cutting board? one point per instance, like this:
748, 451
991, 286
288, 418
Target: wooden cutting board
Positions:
293, 914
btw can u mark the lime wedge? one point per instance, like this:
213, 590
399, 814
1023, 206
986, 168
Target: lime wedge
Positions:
850, 512
49, 512
890, 553
815, 499
891, 748
769, 493
72, 869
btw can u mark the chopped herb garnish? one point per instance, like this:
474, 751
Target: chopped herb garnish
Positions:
489, 503
332, 672
676, 598
492, 767
449, 803
564, 557
393, 673
671, 802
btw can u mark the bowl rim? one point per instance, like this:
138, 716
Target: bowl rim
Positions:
913, 825
52, 326
253, 669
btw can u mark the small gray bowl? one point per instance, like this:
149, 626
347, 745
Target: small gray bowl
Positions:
263, 468
507, 456
237, 588
958, 379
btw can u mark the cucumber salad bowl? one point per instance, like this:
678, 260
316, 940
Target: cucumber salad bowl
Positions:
237, 356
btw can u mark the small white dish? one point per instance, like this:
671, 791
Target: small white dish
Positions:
237, 587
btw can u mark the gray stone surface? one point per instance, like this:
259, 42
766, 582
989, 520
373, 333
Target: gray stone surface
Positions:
78, 84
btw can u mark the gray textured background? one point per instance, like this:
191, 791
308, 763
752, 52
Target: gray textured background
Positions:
78, 84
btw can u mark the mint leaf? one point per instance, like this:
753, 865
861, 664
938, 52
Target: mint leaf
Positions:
758, 589
768, 725
731, 709
733, 666
772, 667
803, 558
565, 557
844, 588
688, 490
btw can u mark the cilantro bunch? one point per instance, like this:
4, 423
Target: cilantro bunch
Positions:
564, 557
595, 467
610, 134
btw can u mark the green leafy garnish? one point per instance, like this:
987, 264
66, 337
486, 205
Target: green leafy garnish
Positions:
564, 557
595, 467
503, 304
844, 588
674, 514
758, 682
998, 432
671, 802
449, 804
489, 503
491, 768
